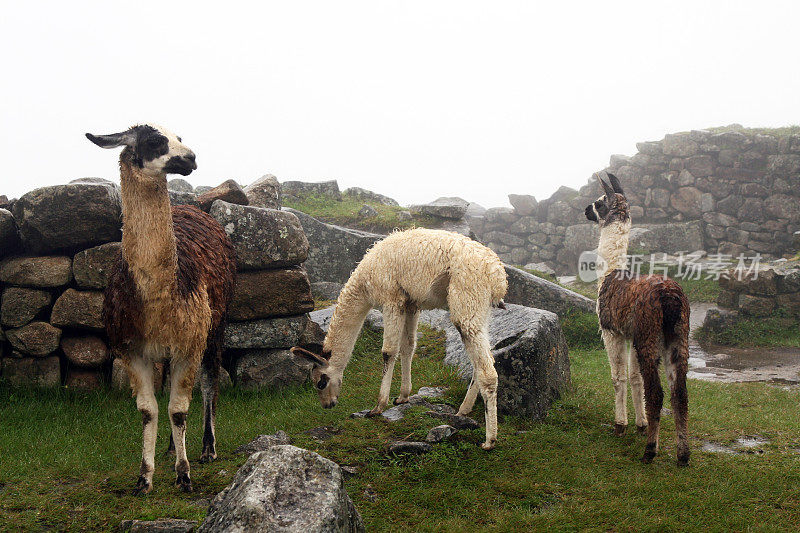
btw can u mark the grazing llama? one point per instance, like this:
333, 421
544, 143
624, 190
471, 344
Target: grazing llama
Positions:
652, 313
168, 295
404, 273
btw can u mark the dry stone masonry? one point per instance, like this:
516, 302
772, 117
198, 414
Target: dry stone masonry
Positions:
58, 246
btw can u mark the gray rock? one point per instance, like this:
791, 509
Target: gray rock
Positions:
79, 309
263, 334
687, 200
270, 293
334, 251
9, 237
475, 210
166, 525
527, 289
783, 206
400, 447
440, 433
264, 192
679, 144
183, 198
284, 489
179, 185
86, 351
452, 208
228, 191
19, 306
369, 196
326, 290
404, 215
42, 272
37, 371
271, 369
393, 414
93, 267
430, 392
264, 442
83, 379
524, 204
668, 238
719, 319
367, 211
530, 355
64, 217
455, 421
200, 189
299, 190
263, 238
37, 338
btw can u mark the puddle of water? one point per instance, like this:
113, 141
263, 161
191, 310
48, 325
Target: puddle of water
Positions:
748, 445
712, 447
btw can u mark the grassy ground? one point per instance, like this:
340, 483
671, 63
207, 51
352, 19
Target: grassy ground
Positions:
345, 213
774, 331
68, 460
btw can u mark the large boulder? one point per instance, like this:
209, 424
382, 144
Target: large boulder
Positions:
19, 305
263, 238
179, 185
268, 333
79, 309
42, 272
368, 196
64, 217
783, 206
299, 190
264, 192
452, 208
270, 293
284, 489
273, 369
37, 338
532, 291
524, 204
92, 268
37, 371
530, 353
669, 238
9, 238
334, 251
228, 191
86, 351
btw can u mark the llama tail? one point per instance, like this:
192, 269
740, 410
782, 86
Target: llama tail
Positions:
672, 307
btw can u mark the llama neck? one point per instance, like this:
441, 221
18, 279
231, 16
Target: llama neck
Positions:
148, 239
348, 317
613, 247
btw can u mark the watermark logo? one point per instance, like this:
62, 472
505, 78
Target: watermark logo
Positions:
590, 264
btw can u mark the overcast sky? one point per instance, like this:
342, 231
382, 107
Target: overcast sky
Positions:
414, 99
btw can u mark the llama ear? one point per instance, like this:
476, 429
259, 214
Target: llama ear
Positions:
124, 138
311, 357
615, 183
607, 187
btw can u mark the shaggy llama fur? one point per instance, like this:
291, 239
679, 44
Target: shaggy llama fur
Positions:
642, 320
404, 273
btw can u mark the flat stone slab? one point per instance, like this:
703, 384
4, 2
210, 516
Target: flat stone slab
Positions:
440, 433
264, 442
412, 448
458, 422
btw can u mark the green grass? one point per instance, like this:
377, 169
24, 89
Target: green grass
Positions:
774, 331
68, 460
345, 213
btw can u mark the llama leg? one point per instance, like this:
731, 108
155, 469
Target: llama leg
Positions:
469, 399
676, 366
408, 343
392, 330
477, 346
209, 385
140, 371
637, 391
654, 395
180, 394
615, 348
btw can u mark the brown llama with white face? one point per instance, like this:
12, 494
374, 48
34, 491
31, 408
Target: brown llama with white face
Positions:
168, 295
642, 320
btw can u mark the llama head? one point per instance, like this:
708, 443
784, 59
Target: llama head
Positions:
153, 149
326, 379
612, 206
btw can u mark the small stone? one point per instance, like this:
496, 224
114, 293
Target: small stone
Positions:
351, 471
263, 442
361, 414
367, 211
440, 433
458, 422
404, 447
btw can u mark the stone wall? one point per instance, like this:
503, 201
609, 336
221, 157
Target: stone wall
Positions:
771, 290
58, 246
732, 192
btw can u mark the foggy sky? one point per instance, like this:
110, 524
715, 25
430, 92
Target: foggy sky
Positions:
412, 99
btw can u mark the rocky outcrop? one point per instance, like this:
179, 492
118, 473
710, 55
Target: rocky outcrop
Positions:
763, 291
334, 251
284, 489
293, 191
532, 291
9, 237
264, 192
368, 196
453, 208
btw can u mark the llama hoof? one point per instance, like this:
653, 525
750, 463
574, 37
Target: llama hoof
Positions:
642, 430
142, 487
207, 457
375, 412
398, 400
648, 456
489, 445
683, 460
184, 483
619, 429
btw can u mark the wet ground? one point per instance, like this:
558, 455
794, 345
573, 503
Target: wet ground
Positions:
731, 365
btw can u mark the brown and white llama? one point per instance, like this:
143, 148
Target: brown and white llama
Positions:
168, 295
643, 319
404, 273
